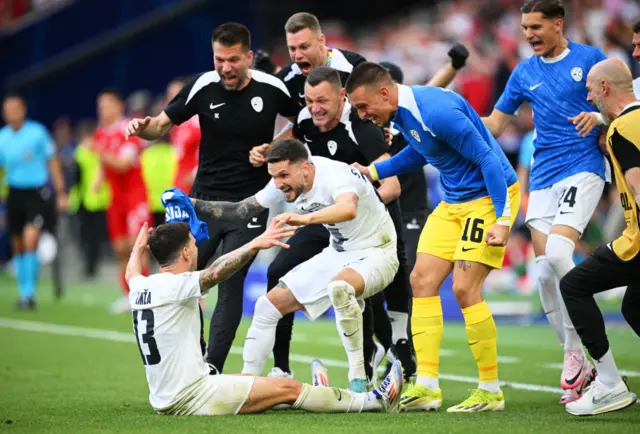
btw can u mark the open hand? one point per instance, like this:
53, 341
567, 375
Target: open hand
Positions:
364, 170
278, 230
584, 122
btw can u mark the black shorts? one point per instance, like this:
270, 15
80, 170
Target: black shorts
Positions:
35, 206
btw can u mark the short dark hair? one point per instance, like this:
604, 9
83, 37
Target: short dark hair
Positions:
287, 150
15, 95
112, 91
636, 27
394, 70
230, 34
167, 241
548, 8
301, 21
367, 73
323, 74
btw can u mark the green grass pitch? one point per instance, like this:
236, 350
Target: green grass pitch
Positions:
71, 367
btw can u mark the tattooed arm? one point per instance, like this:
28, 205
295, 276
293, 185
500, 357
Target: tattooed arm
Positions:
243, 210
225, 266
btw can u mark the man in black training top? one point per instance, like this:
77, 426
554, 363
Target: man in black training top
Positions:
237, 107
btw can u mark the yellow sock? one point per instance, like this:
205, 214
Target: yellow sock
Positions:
427, 328
482, 336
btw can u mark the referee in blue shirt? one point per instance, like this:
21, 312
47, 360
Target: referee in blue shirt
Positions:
28, 156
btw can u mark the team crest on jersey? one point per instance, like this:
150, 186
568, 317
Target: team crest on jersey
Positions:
332, 146
415, 135
257, 104
576, 73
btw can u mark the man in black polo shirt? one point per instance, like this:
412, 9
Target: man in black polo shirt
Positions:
237, 109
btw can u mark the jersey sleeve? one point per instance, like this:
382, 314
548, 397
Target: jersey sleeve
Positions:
371, 141
512, 96
181, 108
187, 286
626, 150
347, 182
457, 130
405, 161
298, 131
48, 144
598, 56
269, 196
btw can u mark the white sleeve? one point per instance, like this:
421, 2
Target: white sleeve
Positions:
137, 283
269, 196
346, 182
187, 286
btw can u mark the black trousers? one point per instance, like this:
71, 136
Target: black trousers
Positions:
93, 234
412, 224
599, 272
228, 311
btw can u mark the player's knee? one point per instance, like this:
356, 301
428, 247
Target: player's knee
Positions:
423, 283
462, 292
340, 292
265, 314
559, 253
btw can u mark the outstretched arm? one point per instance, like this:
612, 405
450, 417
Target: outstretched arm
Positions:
243, 210
225, 266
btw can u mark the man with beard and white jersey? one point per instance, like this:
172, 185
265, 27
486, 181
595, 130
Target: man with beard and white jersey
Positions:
360, 261
237, 109
331, 129
167, 323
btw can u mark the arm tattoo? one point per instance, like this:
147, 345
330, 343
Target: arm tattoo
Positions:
229, 210
225, 266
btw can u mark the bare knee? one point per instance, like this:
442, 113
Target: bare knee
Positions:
30, 238
467, 295
424, 283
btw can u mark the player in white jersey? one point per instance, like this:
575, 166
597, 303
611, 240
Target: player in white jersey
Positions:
360, 261
167, 322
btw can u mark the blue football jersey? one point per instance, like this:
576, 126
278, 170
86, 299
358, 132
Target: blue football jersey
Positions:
556, 90
442, 129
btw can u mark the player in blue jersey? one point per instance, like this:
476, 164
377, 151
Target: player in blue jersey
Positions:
469, 228
568, 172
28, 158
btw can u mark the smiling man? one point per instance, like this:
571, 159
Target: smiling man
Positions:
237, 109
359, 262
469, 228
568, 172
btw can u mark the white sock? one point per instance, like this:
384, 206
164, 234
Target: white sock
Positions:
399, 322
349, 324
334, 400
260, 337
559, 251
490, 386
607, 370
430, 383
549, 296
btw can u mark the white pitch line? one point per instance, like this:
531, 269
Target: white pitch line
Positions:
624, 372
41, 327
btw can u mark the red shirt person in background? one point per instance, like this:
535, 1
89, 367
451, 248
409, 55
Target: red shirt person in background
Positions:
186, 140
120, 159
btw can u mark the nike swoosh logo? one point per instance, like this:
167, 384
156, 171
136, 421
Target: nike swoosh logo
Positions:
252, 226
305, 138
574, 379
566, 212
464, 249
301, 95
213, 107
348, 336
535, 86
599, 400
416, 334
473, 343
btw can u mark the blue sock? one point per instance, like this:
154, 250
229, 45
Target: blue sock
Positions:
31, 266
19, 264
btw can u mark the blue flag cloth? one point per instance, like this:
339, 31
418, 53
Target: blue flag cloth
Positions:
179, 208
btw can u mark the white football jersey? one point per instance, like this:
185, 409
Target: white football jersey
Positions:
636, 87
372, 226
167, 322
